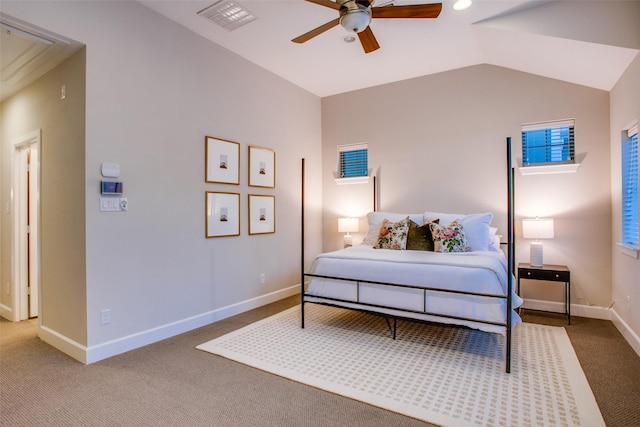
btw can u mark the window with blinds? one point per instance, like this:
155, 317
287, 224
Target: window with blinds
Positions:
548, 143
630, 187
353, 161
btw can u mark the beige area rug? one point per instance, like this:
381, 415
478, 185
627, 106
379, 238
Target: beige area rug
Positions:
443, 375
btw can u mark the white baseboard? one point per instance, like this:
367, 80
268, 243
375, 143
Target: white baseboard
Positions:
62, 343
592, 312
102, 351
108, 349
7, 312
632, 338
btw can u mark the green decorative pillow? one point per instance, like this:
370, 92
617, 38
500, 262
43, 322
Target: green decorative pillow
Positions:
450, 238
393, 235
419, 238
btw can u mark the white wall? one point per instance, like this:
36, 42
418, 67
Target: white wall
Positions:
153, 91
438, 143
625, 107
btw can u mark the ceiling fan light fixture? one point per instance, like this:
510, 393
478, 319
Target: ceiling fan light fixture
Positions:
462, 4
356, 20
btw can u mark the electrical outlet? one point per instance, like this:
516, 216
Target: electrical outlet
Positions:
105, 316
263, 278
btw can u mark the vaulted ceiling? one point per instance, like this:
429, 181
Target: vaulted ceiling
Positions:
585, 42
588, 42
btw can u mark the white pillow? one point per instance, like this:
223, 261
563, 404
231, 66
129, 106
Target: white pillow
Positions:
476, 227
375, 221
494, 238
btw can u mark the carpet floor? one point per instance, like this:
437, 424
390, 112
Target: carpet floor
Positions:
443, 375
170, 383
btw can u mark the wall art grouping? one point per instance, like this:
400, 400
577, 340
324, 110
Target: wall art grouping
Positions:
222, 209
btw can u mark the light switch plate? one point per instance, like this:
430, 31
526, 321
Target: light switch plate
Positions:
113, 204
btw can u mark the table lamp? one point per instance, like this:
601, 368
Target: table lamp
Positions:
537, 228
348, 225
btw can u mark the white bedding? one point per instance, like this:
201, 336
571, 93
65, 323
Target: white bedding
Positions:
478, 271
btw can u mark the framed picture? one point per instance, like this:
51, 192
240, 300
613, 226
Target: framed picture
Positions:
222, 161
262, 214
222, 214
262, 167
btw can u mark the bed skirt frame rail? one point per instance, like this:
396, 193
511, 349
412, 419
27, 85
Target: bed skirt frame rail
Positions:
510, 253
406, 310
423, 290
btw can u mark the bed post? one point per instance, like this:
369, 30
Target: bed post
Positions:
510, 252
375, 201
302, 249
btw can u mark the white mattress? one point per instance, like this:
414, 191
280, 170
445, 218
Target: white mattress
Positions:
480, 271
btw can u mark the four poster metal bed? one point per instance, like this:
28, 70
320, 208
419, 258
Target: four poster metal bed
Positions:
480, 283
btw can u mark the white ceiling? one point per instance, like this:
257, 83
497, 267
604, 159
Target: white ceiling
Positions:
588, 42
585, 42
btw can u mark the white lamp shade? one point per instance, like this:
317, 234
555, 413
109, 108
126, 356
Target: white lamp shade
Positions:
348, 225
538, 228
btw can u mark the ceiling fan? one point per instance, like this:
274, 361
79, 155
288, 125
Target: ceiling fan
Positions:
356, 15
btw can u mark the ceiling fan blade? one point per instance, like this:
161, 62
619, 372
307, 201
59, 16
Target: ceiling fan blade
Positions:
409, 11
327, 3
368, 40
316, 32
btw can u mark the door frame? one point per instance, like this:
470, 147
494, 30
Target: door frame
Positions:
25, 253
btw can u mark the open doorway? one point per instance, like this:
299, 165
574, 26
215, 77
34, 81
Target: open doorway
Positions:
25, 191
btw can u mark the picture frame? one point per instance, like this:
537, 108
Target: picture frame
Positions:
262, 214
222, 163
222, 214
262, 167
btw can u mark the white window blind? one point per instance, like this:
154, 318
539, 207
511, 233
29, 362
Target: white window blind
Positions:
630, 187
353, 161
548, 142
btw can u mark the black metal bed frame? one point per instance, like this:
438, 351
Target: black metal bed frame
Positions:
370, 308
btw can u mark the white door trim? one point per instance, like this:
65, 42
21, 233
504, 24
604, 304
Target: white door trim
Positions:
20, 250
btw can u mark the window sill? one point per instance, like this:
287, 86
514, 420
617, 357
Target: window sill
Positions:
629, 250
354, 180
549, 169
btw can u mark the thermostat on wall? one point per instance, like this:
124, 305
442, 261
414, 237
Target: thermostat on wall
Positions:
110, 170
111, 187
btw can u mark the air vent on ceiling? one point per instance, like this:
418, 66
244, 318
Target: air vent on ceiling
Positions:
228, 14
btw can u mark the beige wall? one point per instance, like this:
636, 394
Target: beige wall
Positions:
625, 108
438, 143
153, 91
62, 192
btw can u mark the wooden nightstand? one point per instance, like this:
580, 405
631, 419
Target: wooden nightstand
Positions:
552, 273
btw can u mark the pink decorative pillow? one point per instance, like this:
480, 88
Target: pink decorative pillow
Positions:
393, 235
450, 238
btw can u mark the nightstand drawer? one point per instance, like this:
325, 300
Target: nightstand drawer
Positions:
557, 276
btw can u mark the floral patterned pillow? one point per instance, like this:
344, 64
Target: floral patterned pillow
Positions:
393, 235
450, 238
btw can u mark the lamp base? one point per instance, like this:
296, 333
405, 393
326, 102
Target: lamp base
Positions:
535, 254
348, 241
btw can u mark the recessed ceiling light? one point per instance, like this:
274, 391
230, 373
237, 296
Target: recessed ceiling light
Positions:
228, 14
349, 39
462, 4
